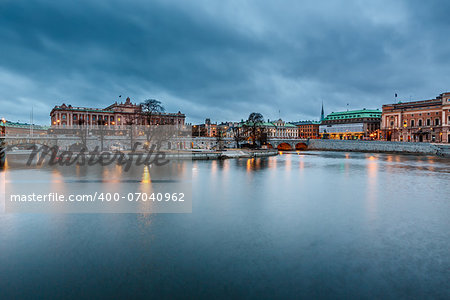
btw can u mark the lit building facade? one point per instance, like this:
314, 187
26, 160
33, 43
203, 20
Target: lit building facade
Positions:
308, 129
280, 129
114, 115
351, 125
207, 129
417, 121
272, 129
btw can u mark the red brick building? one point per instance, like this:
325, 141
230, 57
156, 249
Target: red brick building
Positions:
417, 121
308, 129
114, 115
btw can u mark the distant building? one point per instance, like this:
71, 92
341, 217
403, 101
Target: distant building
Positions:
206, 129
308, 129
417, 121
272, 129
209, 129
351, 125
17, 128
280, 129
114, 115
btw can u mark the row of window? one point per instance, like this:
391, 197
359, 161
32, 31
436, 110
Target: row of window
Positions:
94, 117
419, 123
111, 119
351, 117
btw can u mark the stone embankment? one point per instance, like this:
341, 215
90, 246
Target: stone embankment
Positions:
237, 153
381, 146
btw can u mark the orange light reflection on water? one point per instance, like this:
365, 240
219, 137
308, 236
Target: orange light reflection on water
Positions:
372, 178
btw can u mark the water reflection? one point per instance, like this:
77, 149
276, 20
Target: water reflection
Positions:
372, 186
274, 223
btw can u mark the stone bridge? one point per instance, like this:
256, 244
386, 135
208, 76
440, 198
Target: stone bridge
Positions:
280, 144
288, 144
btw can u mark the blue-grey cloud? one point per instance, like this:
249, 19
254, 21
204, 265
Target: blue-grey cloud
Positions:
221, 59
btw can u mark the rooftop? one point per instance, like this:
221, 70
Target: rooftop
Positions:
306, 123
354, 114
24, 125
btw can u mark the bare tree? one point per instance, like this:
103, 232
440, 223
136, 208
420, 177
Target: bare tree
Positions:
130, 122
254, 124
150, 108
238, 134
101, 131
220, 132
82, 132
198, 130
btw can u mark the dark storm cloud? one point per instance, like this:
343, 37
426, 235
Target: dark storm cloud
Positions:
221, 60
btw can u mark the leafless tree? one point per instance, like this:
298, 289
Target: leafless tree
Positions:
254, 125
150, 108
220, 132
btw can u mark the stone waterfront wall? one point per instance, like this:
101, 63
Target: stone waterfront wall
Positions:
378, 146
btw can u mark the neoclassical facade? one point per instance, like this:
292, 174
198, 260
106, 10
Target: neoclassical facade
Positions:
417, 121
117, 114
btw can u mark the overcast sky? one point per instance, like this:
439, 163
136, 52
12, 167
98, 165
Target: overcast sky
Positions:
221, 59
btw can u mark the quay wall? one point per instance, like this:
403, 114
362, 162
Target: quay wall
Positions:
380, 146
233, 154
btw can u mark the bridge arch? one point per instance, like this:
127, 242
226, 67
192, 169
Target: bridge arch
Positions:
301, 146
284, 147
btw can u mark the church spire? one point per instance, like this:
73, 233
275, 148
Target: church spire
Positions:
322, 114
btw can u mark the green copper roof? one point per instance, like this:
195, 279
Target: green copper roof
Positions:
86, 110
354, 114
25, 125
267, 124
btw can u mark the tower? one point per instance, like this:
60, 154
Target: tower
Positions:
322, 114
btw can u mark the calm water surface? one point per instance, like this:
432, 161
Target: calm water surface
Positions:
310, 225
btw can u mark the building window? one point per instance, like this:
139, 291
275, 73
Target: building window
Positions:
74, 117
412, 123
436, 122
93, 118
428, 122
420, 123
